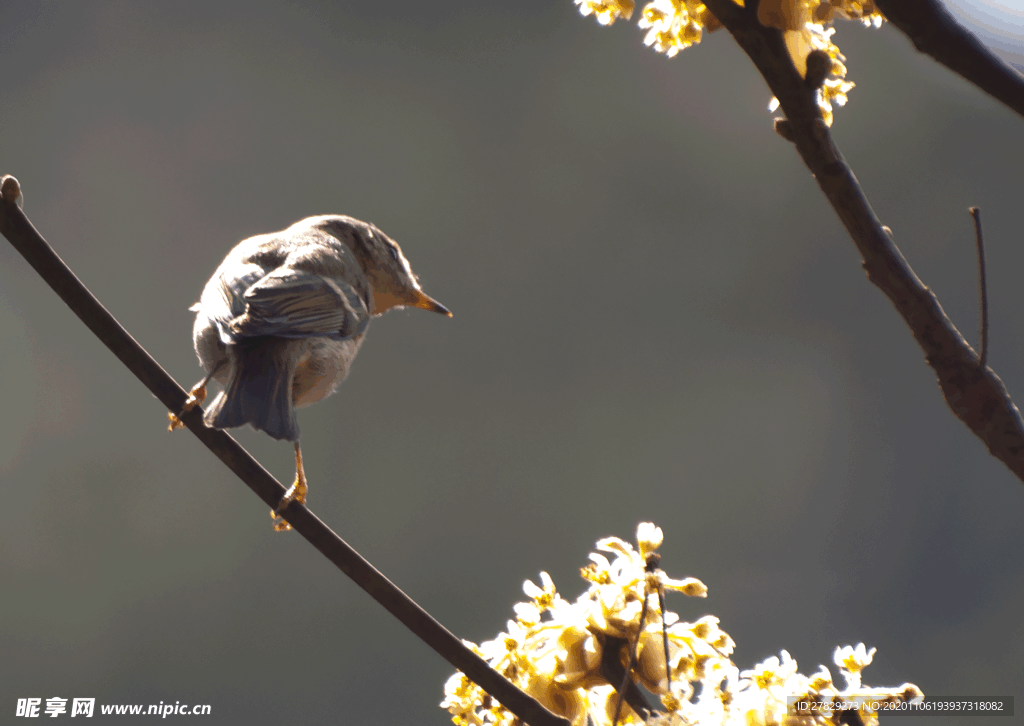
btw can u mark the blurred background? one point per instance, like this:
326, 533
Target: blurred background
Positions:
657, 318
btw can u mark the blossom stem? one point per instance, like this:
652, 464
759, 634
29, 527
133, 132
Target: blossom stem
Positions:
632, 660
664, 638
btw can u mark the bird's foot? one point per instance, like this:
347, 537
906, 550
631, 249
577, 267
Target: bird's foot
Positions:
195, 397
297, 493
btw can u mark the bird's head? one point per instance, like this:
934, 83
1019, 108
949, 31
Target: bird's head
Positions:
393, 281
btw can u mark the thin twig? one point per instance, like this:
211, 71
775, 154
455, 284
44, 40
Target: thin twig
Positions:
982, 290
934, 31
664, 639
975, 395
632, 661
612, 671
15, 226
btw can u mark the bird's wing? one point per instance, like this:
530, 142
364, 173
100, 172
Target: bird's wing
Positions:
222, 299
289, 303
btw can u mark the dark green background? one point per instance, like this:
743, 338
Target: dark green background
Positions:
657, 317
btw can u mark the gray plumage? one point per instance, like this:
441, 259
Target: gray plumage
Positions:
285, 313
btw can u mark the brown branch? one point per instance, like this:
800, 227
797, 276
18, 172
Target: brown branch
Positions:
628, 670
979, 242
933, 31
15, 226
613, 672
974, 393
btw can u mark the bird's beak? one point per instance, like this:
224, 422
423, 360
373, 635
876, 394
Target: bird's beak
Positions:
424, 302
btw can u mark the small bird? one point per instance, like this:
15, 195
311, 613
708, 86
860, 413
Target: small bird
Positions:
282, 318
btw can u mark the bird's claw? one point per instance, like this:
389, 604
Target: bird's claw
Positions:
195, 397
297, 493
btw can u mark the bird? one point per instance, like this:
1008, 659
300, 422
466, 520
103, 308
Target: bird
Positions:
282, 318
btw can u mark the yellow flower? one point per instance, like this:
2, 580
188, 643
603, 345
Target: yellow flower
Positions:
691, 586
598, 571
803, 25
832, 90
648, 538
821, 680
853, 659
606, 11
568, 702
555, 650
630, 567
603, 700
543, 597
862, 10
771, 671
673, 25
578, 655
614, 610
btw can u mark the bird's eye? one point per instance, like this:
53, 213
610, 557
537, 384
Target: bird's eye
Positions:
394, 253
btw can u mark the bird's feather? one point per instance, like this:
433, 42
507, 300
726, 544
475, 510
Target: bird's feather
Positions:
258, 391
291, 304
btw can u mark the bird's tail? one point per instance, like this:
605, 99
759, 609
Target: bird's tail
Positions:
258, 391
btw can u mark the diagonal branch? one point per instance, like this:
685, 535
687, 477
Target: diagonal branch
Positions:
15, 226
935, 32
973, 392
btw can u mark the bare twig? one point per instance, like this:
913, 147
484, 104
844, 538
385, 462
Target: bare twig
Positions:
933, 31
613, 671
982, 290
621, 690
974, 394
664, 638
15, 226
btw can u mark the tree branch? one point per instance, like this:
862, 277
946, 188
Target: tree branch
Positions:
614, 672
935, 32
979, 242
974, 393
15, 226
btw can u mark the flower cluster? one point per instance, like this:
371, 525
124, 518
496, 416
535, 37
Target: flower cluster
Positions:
673, 25
606, 12
571, 657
